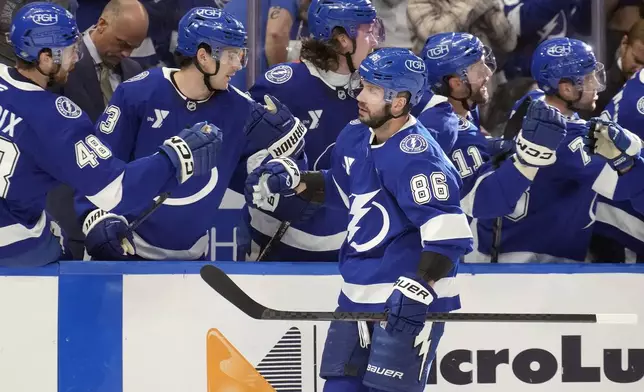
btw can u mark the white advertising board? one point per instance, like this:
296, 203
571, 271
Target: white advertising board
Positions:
178, 334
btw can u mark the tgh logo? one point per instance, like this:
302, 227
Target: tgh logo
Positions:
559, 50
209, 12
45, 19
438, 52
415, 65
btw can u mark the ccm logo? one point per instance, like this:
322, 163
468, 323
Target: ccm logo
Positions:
385, 372
534, 153
437, 51
411, 287
45, 19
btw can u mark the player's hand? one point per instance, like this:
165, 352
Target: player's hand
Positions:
194, 150
407, 305
107, 236
544, 127
277, 176
616, 144
275, 132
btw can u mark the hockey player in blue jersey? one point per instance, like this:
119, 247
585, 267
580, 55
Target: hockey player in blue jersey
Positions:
459, 67
569, 77
343, 32
406, 231
46, 140
150, 107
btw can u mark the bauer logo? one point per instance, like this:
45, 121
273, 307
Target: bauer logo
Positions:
438, 52
568, 365
415, 65
559, 50
209, 12
280, 370
45, 19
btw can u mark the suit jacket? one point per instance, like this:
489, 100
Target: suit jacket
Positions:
83, 86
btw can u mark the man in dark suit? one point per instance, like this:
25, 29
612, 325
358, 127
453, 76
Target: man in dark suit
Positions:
106, 46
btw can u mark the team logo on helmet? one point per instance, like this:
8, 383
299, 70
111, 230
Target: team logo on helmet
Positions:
415, 65
280, 74
414, 144
67, 108
559, 50
438, 52
45, 19
210, 13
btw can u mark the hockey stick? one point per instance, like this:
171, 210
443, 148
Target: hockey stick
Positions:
157, 203
276, 237
221, 283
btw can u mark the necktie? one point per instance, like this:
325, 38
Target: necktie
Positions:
106, 86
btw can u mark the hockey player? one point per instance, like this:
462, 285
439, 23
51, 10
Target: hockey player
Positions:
459, 67
569, 77
343, 32
150, 107
46, 140
406, 229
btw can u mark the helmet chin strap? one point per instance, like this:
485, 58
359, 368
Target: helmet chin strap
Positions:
465, 101
206, 75
348, 57
388, 116
570, 105
50, 76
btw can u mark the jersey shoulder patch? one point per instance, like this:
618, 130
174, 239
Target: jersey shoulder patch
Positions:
354, 122
67, 108
138, 77
279, 74
414, 144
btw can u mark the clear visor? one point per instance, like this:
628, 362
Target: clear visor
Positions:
369, 93
67, 56
479, 72
232, 56
374, 32
596, 80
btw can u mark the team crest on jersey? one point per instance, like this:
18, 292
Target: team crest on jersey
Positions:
640, 105
463, 124
67, 108
279, 75
138, 77
414, 144
354, 122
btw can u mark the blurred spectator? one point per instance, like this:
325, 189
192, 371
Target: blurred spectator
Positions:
397, 28
280, 21
106, 46
622, 16
7, 9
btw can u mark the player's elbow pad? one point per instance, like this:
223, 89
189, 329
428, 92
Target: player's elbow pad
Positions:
434, 266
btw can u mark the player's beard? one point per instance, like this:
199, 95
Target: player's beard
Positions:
378, 119
481, 96
587, 102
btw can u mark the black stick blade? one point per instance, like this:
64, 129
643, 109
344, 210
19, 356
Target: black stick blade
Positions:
221, 283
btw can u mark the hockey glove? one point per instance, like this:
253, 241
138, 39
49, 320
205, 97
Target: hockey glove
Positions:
107, 236
194, 150
277, 176
407, 305
619, 146
274, 132
544, 127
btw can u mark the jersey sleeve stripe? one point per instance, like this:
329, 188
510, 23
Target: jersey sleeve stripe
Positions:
110, 196
378, 293
606, 183
342, 194
445, 227
467, 202
17, 232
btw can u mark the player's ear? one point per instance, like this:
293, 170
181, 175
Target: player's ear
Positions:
399, 103
45, 61
345, 43
455, 83
566, 89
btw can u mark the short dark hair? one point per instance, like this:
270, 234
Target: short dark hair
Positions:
323, 54
184, 61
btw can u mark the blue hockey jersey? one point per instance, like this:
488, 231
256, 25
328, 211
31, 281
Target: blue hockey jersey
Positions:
148, 109
619, 220
45, 140
402, 199
320, 100
553, 220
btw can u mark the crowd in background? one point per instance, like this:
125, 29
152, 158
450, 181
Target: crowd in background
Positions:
123, 37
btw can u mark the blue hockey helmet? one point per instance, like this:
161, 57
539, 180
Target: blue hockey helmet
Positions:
213, 27
566, 59
325, 15
39, 26
396, 70
447, 54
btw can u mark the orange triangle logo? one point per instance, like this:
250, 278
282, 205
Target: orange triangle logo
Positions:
228, 370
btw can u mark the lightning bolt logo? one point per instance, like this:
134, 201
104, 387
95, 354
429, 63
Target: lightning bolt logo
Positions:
358, 211
423, 341
549, 28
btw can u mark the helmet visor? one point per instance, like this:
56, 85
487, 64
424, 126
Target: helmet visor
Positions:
596, 80
369, 93
232, 56
67, 56
478, 72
